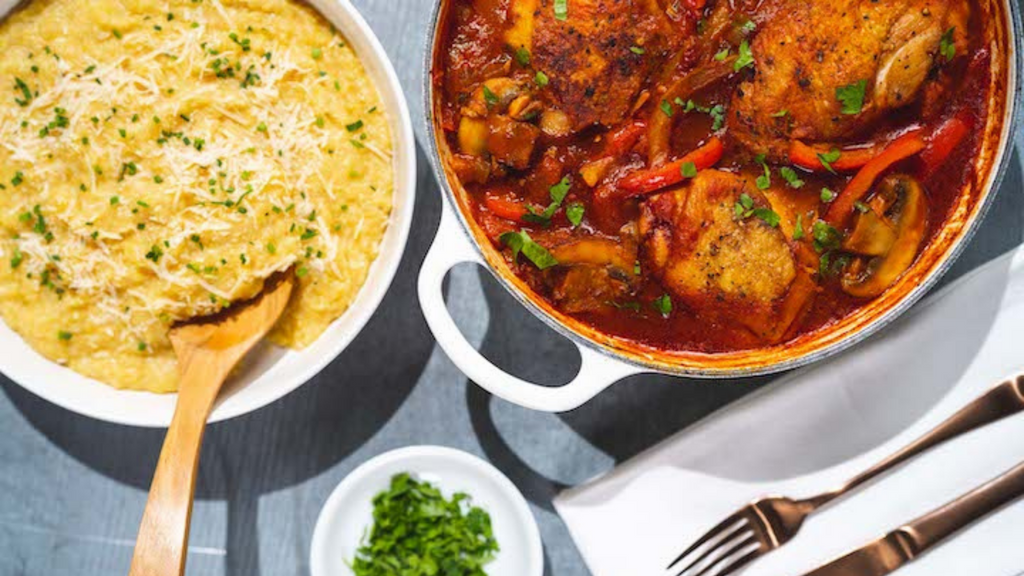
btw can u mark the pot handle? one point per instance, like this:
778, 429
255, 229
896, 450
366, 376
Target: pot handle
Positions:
452, 247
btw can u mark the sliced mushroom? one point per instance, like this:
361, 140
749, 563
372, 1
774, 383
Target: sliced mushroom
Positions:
555, 123
596, 271
897, 217
511, 142
493, 95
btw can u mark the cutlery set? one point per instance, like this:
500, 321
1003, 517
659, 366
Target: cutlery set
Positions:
768, 523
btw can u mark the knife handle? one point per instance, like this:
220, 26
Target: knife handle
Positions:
998, 403
932, 528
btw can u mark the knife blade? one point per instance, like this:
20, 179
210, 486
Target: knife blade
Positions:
875, 559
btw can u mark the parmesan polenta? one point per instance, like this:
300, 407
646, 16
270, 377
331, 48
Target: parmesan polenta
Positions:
160, 159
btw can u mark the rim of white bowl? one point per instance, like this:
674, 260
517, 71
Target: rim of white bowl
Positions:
523, 516
86, 396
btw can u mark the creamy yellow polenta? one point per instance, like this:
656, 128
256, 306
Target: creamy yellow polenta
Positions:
160, 159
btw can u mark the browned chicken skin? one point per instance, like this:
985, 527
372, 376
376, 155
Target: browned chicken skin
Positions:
739, 267
813, 48
599, 57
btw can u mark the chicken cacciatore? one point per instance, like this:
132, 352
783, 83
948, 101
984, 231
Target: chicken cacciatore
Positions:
706, 175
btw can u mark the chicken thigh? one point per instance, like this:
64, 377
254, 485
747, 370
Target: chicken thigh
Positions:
598, 57
737, 267
825, 71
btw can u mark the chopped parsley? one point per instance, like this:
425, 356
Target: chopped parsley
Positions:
826, 238
827, 195
557, 193
764, 181
637, 50
19, 177
354, 126
17, 258
947, 46
417, 531
521, 243
574, 212
722, 54
861, 207
317, 54
666, 107
828, 158
791, 177
64, 335
154, 253
745, 208
780, 114
852, 97
562, 10
688, 169
490, 97
663, 304
541, 79
745, 57
798, 228
522, 56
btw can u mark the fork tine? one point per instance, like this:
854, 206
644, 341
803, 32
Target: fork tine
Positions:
739, 531
727, 568
743, 561
712, 533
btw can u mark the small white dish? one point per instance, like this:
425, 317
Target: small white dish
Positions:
348, 514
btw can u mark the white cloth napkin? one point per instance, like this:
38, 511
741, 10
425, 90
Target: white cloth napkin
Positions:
816, 428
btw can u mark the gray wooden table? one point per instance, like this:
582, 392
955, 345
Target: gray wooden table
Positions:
72, 489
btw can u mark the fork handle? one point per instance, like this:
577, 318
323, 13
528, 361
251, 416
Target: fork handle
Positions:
936, 526
1002, 401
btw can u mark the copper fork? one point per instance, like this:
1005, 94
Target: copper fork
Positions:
768, 523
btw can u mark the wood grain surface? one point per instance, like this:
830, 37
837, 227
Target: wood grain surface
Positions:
72, 490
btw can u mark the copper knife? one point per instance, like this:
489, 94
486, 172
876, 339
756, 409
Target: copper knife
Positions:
909, 541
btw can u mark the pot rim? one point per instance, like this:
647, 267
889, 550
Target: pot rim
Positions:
1012, 117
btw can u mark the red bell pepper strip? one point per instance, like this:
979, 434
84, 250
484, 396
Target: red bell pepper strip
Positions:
943, 141
507, 209
807, 157
899, 149
646, 181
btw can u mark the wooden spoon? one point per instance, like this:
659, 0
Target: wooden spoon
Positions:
207, 349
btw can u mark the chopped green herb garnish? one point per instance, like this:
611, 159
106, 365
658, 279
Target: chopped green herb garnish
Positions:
541, 79
490, 97
827, 195
791, 177
947, 46
828, 158
688, 169
666, 107
523, 56
861, 207
26, 94
317, 54
574, 212
418, 532
764, 181
798, 228
780, 113
561, 9
64, 335
722, 54
852, 97
637, 50
663, 304
745, 57
521, 243
768, 216
826, 237
354, 126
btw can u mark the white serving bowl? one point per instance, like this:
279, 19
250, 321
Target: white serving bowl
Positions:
269, 372
348, 513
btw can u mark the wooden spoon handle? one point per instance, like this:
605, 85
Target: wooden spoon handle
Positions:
161, 547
